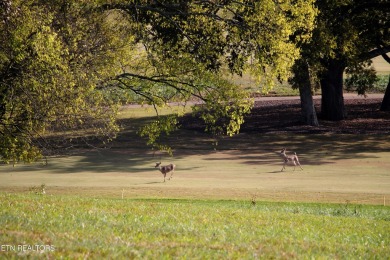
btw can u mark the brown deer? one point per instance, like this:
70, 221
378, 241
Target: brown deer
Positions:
170, 168
290, 158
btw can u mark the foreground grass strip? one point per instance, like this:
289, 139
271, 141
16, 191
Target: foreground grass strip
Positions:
77, 227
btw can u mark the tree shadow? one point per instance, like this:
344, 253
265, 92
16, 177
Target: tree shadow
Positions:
113, 160
265, 132
248, 148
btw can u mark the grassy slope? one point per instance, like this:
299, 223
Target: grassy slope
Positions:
85, 227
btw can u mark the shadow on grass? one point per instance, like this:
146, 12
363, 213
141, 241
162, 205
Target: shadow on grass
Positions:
250, 149
257, 148
124, 161
259, 143
153, 182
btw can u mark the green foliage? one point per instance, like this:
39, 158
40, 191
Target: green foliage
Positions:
223, 105
185, 47
259, 37
361, 78
18, 149
153, 131
348, 33
276, 29
157, 80
31, 61
65, 65
224, 109
53, 56
113, 228
381, 85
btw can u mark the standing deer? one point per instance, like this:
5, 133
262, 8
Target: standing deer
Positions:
170, 168
290, 158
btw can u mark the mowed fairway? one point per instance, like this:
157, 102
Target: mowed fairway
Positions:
339, 168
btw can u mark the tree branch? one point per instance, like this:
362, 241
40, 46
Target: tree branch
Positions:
385, 57
375, 53
169, 82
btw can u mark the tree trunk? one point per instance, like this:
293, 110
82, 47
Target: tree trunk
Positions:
385, 106
332, 103
308, 110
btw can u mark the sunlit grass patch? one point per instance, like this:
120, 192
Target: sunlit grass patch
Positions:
86, 227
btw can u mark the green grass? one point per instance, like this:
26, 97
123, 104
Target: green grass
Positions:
79, 227
381, 85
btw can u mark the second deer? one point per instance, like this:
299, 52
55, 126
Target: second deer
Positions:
170, 168
290, 158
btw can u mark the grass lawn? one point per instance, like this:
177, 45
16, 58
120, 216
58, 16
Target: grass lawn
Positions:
79, 227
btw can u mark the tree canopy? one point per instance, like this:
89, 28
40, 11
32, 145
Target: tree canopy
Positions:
348, 34
190, 46
61, 60
52, 57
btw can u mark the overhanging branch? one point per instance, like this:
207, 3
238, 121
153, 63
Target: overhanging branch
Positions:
169, 82
385, 57
375, 53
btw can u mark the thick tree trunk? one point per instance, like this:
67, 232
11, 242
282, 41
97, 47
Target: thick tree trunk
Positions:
385, 106
332, 105
308, 110
309, 114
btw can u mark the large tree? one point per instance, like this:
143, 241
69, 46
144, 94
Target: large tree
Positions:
202, 39
52, 56
348, 33
59, 59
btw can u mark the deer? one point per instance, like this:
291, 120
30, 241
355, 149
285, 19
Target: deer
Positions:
290, 158
170, 168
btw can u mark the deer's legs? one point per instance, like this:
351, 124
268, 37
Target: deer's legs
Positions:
170, 177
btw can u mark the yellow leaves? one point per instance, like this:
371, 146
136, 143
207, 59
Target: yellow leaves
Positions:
164, 125
225, 108
273, 25
15, 149
47, 47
